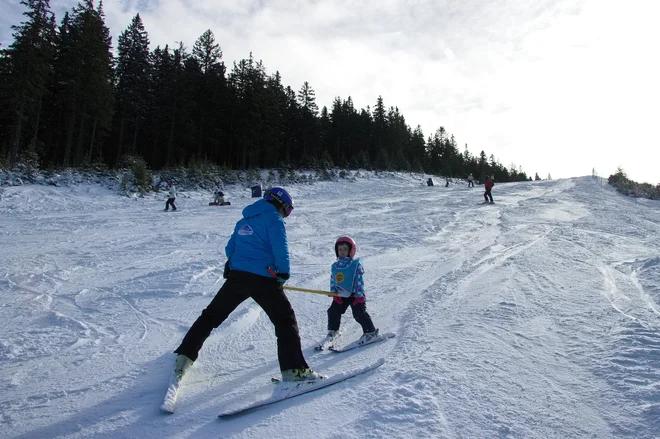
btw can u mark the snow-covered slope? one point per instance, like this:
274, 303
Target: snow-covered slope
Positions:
535, 317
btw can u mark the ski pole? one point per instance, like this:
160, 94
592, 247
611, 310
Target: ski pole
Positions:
302, 290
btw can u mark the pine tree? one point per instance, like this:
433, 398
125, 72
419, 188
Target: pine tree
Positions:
162, 88
176, 104
133, 74
325, 130
309, 109
27, 66
365, 134
293, 122
435, 148
482, 165
247, 86
84, 83
417, 150
101, 87
275, 114
379, 127
307, 99
65, 88
211, 97
398, 137
207, 52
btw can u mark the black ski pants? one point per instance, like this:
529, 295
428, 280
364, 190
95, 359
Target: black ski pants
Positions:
170, 202
487, 195
269, 295
359, 313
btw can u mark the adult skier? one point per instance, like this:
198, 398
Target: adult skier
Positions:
259, 243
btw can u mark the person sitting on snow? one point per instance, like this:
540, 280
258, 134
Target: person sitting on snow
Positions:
219, 198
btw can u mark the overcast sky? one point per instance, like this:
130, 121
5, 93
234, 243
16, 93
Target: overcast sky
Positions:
557, 87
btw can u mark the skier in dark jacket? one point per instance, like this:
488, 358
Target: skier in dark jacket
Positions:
259, 243
488, 185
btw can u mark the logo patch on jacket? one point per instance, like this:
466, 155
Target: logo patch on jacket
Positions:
245, 230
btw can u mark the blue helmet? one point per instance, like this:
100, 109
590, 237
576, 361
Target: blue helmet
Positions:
278, 197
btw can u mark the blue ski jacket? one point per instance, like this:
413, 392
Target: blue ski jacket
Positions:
347, 273
259, 241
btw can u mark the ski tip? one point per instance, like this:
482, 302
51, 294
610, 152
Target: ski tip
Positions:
167, 409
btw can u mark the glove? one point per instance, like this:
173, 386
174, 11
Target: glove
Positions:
225, 273
282, 277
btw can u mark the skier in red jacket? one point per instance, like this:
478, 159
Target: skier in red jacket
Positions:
488, 185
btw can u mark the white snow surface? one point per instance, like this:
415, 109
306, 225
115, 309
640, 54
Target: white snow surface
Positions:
535, 317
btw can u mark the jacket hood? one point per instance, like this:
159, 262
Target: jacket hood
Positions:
257, 208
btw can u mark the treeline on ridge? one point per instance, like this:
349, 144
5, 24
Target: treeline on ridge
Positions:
69, 101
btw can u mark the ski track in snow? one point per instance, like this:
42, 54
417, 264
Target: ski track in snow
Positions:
535, 317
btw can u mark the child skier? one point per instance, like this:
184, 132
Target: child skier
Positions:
347, 277
470, 180
172, 197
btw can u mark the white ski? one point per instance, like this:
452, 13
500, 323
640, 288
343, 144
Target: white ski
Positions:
290, 389
170, 396
357, 344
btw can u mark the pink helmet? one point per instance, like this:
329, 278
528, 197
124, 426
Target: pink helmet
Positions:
351, 244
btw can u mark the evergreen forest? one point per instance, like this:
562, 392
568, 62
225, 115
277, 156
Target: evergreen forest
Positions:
71, 97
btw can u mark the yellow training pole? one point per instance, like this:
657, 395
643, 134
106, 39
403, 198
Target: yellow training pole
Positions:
307, 290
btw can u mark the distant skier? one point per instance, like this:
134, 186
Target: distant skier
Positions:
259, 242
488, 185
470, 180
446, 181
172, 196
347, 276
219, 199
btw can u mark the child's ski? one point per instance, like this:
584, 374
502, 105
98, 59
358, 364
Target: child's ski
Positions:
290, 389
358, 344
